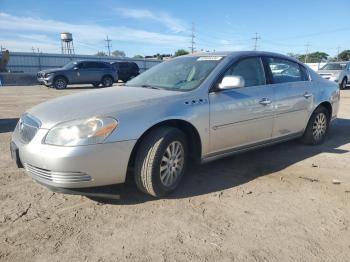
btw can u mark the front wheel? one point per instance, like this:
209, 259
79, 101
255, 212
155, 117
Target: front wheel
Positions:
60, 83
161, 161
317, 128
343, 83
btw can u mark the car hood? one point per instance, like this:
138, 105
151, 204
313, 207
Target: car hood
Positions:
332, 72
103, 102
52, 70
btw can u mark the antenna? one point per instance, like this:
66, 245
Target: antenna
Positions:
256, 38
108, 45
193, 36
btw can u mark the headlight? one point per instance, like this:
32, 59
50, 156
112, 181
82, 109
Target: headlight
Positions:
48, 75
81, 132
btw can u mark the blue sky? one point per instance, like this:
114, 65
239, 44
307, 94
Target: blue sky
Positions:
148, 27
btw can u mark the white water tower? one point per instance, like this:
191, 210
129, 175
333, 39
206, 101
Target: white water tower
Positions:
67, 46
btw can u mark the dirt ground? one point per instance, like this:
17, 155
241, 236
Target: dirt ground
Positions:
274, 204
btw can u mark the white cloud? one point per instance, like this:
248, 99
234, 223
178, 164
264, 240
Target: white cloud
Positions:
174, 24
47, 32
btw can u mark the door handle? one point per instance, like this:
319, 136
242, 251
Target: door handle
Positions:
307, 95
265, 101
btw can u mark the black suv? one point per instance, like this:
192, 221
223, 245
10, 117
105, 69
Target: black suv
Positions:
79, 72
126, 70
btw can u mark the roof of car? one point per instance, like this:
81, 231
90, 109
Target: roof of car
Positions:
243, 53
339, 62
95, 61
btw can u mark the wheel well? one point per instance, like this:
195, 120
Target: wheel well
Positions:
192, 136
54, 79
328, 106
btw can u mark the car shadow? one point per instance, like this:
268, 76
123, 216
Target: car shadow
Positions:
8, 124
231, 171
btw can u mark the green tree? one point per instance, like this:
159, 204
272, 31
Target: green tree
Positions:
344, 56
118, 53
180, 52
138, 56
314, 57
101, 53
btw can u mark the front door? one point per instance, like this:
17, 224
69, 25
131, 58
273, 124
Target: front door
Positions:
242, 116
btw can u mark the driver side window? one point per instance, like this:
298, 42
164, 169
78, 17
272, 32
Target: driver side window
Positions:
251, 69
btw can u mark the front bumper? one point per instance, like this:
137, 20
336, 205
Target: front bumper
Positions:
74, 167
48, 81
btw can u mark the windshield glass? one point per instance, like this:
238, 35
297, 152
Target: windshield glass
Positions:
70, 65
334, 66
184, 73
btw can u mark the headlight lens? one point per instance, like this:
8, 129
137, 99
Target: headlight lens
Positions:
48, 75
81, 132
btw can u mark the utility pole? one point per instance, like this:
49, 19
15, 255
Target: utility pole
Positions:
108, 45
338, 52
193, 36
307, 52
256, 38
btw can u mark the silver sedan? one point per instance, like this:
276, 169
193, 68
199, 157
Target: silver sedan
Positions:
188, 110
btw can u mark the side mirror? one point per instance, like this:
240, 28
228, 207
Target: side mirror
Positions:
231, 82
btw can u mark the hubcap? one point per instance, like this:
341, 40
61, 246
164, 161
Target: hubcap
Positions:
172, 164
320, 126
60, 84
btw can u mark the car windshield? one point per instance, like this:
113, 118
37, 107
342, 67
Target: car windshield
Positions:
70, 65
183, 74
334, 66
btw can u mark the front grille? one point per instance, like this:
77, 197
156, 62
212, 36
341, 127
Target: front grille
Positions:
56, 177
27, 127
40, 75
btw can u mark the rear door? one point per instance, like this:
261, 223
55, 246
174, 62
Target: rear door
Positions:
242, 116
293, 95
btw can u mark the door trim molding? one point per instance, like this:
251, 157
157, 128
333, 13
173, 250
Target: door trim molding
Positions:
240, 149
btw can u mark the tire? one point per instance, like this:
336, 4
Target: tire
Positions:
60, 82
96, 84
107, 81
317, 127
152, 174
343, 83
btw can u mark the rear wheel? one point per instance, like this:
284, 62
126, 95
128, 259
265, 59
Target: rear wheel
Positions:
60, 82
317, 127
107, 81
343, 83
161, 161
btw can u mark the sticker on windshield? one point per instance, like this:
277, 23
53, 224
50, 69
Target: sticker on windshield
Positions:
209, 58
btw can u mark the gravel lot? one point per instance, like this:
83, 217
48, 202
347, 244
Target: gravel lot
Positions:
274, 204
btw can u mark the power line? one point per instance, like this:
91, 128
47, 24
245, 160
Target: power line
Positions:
192, 40
256, 38
108, 45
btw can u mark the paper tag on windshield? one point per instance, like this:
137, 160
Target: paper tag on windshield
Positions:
209, 58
